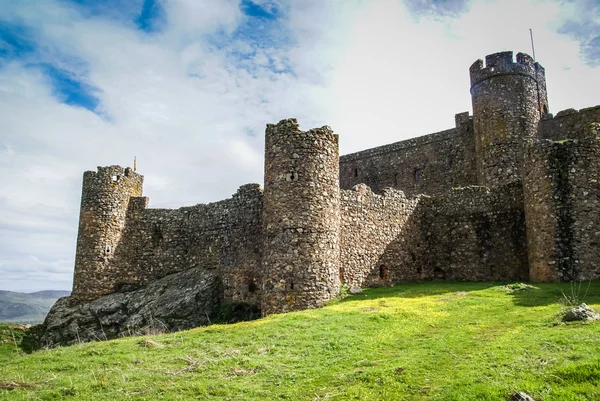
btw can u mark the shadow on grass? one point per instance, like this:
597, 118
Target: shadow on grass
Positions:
420, 289
566, 293
523, 294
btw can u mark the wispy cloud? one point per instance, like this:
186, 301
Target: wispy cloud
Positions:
582, 22
443, 8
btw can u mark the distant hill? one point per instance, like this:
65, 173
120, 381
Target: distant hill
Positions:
23, 308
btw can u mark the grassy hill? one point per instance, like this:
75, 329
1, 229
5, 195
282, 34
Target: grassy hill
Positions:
423, 341
27, 308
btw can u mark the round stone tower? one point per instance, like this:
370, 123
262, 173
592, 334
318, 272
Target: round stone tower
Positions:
104, 202
301, 217
508, 101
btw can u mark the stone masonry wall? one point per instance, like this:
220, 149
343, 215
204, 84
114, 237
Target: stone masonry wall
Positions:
474, 233
568, 124
429, 164
562, 195
370, 222
301, 217
223, 236
471, 233
104, 204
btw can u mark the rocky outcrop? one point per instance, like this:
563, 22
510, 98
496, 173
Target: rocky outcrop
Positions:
176, 302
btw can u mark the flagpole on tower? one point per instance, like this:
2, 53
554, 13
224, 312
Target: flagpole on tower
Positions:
532, 46
134, 163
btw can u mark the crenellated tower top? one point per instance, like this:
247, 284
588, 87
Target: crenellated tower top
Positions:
503, 63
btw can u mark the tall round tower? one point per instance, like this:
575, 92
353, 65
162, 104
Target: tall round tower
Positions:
104, 202
508, 101
301, 217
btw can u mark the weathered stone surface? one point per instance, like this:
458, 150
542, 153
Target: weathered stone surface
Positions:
568, 124
520, 396
430, 164
581, 312
176, 302
301, 218
509, 99
562, 201
103, 215
222, 236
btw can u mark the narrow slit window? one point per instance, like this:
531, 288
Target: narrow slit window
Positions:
355, 172
418, 175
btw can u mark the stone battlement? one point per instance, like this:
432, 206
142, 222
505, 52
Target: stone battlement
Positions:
503, 64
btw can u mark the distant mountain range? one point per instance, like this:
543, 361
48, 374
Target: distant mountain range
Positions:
23, 308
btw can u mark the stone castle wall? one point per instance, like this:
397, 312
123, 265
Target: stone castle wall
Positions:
370, 222
568, 124
562, 195
471, 233
223, 236
474, 233
429, 164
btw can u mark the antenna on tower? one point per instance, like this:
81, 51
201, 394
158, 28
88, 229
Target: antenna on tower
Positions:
532, 46
134, 163
537, 83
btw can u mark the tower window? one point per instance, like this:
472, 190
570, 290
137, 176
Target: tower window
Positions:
396, 179
115, 178
356, 172
418, 175
252, 286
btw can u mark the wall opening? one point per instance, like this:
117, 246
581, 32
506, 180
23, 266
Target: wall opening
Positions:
252, 286
396, 179
545, 109
418, 174
157, 236
115, 178
355, 172
291, 285
383, 272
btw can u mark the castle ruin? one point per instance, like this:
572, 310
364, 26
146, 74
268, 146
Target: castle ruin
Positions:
509, 193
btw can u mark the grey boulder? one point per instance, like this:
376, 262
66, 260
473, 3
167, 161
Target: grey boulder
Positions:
175, 302
581, 312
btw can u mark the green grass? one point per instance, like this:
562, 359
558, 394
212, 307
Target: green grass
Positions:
423, 341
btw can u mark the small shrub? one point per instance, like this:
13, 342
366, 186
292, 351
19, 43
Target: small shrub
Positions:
574, 297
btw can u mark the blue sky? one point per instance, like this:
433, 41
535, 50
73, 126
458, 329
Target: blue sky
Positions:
187, 86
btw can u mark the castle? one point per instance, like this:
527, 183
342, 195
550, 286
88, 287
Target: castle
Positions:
509, 193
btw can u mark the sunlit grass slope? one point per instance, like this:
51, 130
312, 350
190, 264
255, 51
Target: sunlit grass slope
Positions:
426, 341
